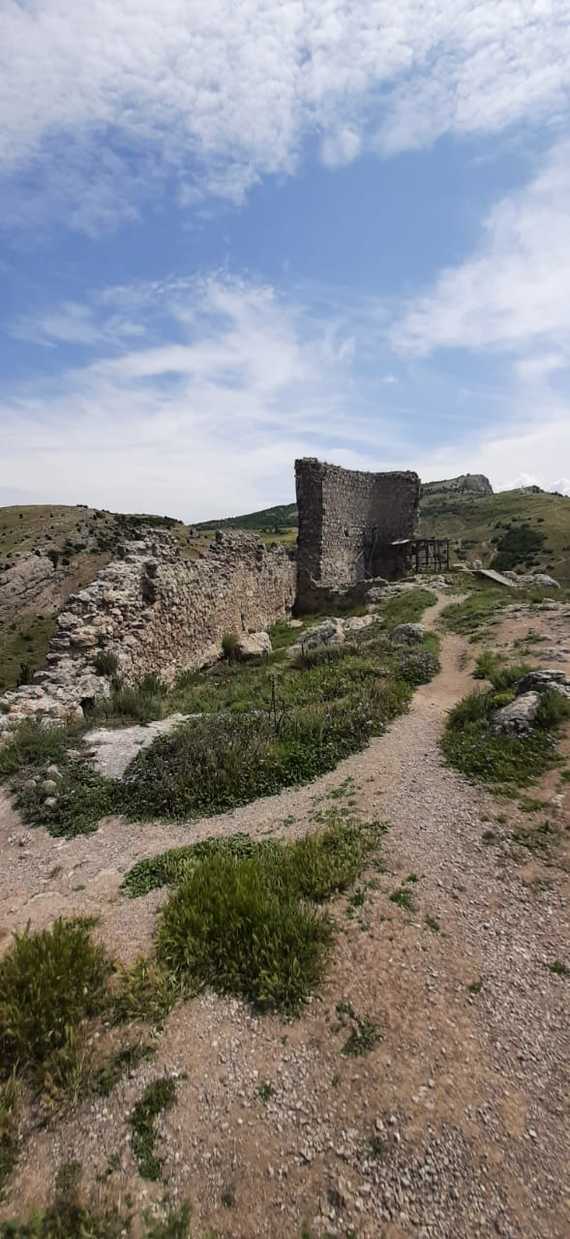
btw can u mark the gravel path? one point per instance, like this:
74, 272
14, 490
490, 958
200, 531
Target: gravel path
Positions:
456, 1124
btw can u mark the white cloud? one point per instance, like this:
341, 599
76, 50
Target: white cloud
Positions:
513, 294
341, 147
219, 94
204, 420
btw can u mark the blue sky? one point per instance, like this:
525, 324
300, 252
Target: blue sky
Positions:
233, 234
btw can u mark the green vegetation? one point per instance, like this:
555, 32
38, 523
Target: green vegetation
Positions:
259, 728
140, 703
50, 982
8, 1128
493, 667
157, 1097
105, 663
145, 991
404, 898
558, 968
481, 605
269, 520
470, 744
119, 1064
364, 1034
245, 924
407, 607
518, 545
176, 1225
478, 524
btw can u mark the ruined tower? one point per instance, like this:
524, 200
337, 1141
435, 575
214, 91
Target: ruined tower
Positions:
348, 523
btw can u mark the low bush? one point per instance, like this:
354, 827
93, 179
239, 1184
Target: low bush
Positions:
50, 982
83, 797
139, 703
417, 666
8, 1129
553, 709
230, 642
226, 927
470, 744
105, 663
33, 746
244, 924
492, 666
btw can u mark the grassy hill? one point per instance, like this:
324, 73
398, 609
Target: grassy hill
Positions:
268, 520
512, 529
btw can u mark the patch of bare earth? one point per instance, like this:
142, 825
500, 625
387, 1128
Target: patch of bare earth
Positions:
454, 1124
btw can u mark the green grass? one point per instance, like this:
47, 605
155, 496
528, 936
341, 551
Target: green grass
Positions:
493, 667
558, 968
476, 521
248, 925
145, 991
470, 744
157, 1097
121, 1063
51, 981
407, 607
364, 1035
403, 898
475, 611
9, 1098
260, 728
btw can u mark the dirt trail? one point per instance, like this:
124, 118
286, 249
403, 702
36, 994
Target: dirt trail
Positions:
456, 1125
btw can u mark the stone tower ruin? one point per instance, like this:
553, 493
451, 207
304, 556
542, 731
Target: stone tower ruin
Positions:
348, 524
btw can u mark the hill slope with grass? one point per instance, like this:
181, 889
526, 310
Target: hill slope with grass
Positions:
511, 530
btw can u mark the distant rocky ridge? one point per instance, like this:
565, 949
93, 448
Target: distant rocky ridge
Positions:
465, 484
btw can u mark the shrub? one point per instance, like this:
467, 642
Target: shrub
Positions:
519, 544
8, 1129
50, 982
239, 919
105, 663
225, 926
139, 703
470, 744
230, 642
83, 798
417, 666
553, 709
33, 745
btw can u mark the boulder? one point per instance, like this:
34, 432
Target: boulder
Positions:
544, 681
354, 623
517, 718
253, 645
408, 634
329, 632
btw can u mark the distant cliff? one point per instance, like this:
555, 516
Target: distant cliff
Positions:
465, 484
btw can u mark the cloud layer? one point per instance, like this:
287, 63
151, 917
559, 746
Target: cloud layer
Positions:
107, 101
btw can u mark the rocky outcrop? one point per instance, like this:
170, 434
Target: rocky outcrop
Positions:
153, 611
518, 717
465, 484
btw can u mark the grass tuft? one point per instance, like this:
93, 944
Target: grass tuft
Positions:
157, 1097
50, 982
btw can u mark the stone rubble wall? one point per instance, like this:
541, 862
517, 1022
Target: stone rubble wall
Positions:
155, 612
347, 521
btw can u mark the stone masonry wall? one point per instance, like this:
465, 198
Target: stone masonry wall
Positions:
155, 612
347, 520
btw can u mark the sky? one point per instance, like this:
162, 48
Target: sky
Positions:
232, 234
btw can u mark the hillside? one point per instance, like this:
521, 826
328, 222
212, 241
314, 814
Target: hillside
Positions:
268, 520
47, 552
489, 528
